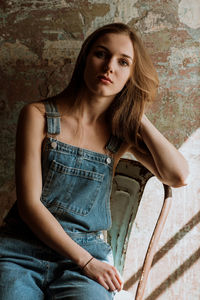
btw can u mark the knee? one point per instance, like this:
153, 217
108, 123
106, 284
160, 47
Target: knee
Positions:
95, 291
89, 290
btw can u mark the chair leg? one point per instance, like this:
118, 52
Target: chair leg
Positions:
153, 242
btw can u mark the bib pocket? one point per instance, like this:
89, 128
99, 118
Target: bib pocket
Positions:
70, 189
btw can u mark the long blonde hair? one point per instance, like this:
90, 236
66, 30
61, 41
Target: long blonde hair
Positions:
127, 108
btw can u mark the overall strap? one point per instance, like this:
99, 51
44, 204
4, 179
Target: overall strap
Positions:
53, 117
114, 144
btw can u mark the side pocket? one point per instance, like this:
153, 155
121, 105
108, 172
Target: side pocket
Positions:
104, 244
47, 181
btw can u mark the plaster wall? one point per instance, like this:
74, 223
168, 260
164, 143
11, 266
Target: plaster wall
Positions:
39, 42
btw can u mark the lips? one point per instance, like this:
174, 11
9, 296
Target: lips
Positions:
104, 78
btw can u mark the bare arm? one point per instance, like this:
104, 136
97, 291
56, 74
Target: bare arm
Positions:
30, 135
161, 157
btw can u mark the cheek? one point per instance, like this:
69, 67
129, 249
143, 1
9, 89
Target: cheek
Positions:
123, 79
125, 76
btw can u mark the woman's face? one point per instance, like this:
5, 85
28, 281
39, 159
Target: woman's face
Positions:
109, 65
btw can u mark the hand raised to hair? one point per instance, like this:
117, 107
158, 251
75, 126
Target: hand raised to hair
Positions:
104, 274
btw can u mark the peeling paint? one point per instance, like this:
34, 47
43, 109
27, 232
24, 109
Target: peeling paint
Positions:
156, 22
189, 13
60, 50
11, 53
126, 10
184, 57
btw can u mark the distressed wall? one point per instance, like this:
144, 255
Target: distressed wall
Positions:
39, 42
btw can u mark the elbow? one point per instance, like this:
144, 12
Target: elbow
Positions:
177, 178
178, 183
22, 214
180, 180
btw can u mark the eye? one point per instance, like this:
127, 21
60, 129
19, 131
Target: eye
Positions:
124, 62
100, 54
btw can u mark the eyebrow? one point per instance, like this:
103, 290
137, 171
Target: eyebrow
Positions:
122, 54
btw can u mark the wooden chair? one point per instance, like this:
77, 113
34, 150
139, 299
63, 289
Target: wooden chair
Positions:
128, 186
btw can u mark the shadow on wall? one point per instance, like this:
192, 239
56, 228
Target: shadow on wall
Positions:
178, 272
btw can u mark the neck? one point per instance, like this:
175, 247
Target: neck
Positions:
93, 108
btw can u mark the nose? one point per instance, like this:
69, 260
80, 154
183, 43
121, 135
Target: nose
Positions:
109, 66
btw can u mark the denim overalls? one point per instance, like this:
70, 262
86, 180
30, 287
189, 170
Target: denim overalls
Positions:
76, 190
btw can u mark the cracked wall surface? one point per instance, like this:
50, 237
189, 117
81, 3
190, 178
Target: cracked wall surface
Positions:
39, 43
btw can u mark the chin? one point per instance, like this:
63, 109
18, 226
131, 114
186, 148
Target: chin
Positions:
100, 92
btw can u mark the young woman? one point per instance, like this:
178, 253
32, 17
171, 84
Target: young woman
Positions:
67, 150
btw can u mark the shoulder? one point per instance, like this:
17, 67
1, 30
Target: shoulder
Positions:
34, 109
32, 118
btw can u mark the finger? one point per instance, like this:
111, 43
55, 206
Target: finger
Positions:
103, 283
116, 283
117, 276
111, 285
120, 280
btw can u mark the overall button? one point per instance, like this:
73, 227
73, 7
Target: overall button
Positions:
108, 160
54, 145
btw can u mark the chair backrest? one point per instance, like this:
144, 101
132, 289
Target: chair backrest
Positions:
128, 186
